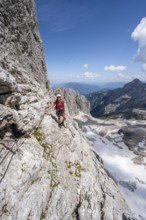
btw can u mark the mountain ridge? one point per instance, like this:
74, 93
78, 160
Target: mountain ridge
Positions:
122, 101
87, 88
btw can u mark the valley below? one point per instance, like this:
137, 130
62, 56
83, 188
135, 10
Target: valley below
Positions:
122, 146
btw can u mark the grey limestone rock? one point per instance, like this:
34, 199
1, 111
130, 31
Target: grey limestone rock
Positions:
75, 102
23, 76
129, 185
21, 47
139, 114
59, 177
7, 82
45, 172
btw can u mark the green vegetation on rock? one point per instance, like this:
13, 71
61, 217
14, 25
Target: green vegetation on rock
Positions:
43, 216
74, 168
48, 152
38, 135
5, 210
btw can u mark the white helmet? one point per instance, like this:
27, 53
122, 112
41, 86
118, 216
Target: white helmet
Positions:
58, 95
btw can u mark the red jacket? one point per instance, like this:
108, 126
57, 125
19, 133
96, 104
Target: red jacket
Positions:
59, 105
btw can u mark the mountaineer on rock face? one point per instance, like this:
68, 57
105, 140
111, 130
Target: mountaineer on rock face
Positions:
60, 110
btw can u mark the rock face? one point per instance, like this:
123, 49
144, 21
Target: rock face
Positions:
58, 177
123, 101
45, 172
22, 66
75, 102
139, 114
20, 44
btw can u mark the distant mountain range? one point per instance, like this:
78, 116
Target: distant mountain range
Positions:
82, 88
86, 88
120, 102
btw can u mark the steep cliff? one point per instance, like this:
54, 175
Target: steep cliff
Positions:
22, 66
45, 172
20, 43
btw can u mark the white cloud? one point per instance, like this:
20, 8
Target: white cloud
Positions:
139, 35
85, 65
113, 68
90, 75
121, 75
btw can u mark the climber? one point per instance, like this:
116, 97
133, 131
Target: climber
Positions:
60, 110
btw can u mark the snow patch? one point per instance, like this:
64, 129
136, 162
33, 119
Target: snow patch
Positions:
118, 160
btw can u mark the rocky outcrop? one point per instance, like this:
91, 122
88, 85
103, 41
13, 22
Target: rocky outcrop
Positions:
58, 176
75, 102
21, 52
23, 76
139, 114
45, 172
122, 102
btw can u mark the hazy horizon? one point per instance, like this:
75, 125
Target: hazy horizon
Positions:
95, 82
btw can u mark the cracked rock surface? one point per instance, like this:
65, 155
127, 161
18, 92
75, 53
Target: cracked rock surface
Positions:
45, 172
57, 175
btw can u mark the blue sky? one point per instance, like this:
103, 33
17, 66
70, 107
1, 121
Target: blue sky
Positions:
93, 40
